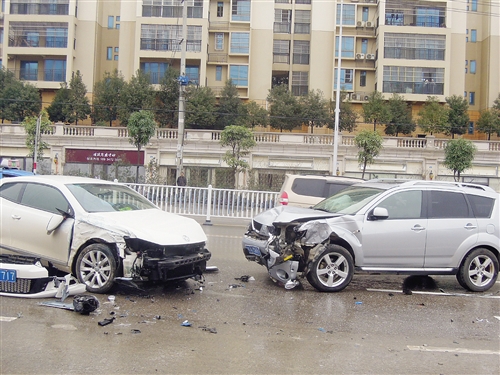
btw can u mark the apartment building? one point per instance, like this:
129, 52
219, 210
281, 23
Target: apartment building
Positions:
414, 48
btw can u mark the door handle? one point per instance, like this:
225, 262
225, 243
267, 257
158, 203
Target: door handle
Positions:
418, 228
16, 217
470, 226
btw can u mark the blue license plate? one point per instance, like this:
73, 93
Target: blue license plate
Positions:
8, 275
254, 250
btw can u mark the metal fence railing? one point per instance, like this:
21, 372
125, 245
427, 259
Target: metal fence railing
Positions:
208, 201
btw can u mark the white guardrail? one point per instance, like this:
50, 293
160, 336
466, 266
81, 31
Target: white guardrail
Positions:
209, 201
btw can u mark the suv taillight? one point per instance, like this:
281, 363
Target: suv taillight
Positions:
284, 198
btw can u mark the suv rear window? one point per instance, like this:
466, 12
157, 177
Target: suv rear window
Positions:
481, 206
447, 205
309, 186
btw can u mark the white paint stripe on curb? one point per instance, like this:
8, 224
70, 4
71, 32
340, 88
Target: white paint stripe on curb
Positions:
451, 350
434, 293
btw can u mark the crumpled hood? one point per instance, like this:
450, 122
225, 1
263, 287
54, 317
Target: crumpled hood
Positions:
287, 214
153, 225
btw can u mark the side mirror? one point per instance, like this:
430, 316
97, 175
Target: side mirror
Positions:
54, 223
379, 213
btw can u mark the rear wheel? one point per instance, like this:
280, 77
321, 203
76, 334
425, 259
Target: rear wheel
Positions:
332, 270
479, 270
96, 268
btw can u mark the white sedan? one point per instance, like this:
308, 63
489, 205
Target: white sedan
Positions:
98, 231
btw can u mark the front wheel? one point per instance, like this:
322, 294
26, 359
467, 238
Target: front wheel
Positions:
479, 270
332, 270
96, 268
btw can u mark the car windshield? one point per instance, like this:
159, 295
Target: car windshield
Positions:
108, 198
349, 200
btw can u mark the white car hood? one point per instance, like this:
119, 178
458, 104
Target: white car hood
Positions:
287, 214
152, 225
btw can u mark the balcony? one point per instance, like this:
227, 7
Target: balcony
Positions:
419, 14
218, 58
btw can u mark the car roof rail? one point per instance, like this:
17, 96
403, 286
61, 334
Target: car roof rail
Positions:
410, 182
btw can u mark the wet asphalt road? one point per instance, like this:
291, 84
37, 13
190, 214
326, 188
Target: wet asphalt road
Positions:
257, 327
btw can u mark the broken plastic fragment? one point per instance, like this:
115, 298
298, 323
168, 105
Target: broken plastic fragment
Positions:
186, 323
85, 304
105, 322
290, 284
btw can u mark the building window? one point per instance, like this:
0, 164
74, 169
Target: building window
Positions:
473, 67
239, 74
160, 37
302, 22
111, 22
300, 81
364, 16
54, 70
471, 128
193, 73
281, 51
240, 10
220, 9
348, 14
240, 42
364, 46
346, 79
115, 57
218, 73
109, 53
414, 46
156, 71
413, 80
472, 97
362, 78
219, 41
29, 71
282, 21
473, 35
117, 49
301, 52
57, 38
171, 8
347, 46
32, 39
474, 5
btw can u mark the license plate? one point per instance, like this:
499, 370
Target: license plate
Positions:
254, 250
8, 275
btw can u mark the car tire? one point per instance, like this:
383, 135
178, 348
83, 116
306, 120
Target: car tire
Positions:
331, 270
96, 268
479, 270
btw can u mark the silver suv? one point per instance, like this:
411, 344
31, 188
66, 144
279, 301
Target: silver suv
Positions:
384, 226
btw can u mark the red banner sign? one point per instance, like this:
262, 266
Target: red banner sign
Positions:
104, 156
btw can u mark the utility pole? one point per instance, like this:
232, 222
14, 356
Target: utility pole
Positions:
183, 80
335, 168
37, 140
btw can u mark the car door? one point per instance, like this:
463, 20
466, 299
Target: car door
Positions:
10, 194
399, 240
452, 227
29, 219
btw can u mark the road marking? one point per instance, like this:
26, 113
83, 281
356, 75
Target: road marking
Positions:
434, 293
452, 350
7, 318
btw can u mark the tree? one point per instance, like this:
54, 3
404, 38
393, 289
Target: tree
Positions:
285, 111
29, 125
240, 140
399, 119
489, 122
458, 156
136, 95
57, 109
253, 114
369, 144
78, 106
107, 97
22, 100
200, 107
375, 110
433, 116
458, 115
141, 127
7, 78
314, 108
167, 99
229, 107
347, 116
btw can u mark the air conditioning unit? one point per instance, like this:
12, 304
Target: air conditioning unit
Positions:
354, 1
354, 96
369, 24
360, 24
370, 56
366, 98
360, 56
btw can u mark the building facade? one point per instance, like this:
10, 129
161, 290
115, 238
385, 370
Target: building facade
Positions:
414, 48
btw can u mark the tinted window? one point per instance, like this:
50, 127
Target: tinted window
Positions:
12, 192
310, 187
445, 204
43, 197
481, 206
404, 205
334, 188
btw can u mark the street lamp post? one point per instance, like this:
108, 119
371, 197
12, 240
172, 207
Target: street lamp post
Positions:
335, 169
183, 80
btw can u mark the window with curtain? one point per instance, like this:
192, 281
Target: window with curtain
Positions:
348, 14
54, 70
281, 51
301, 52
